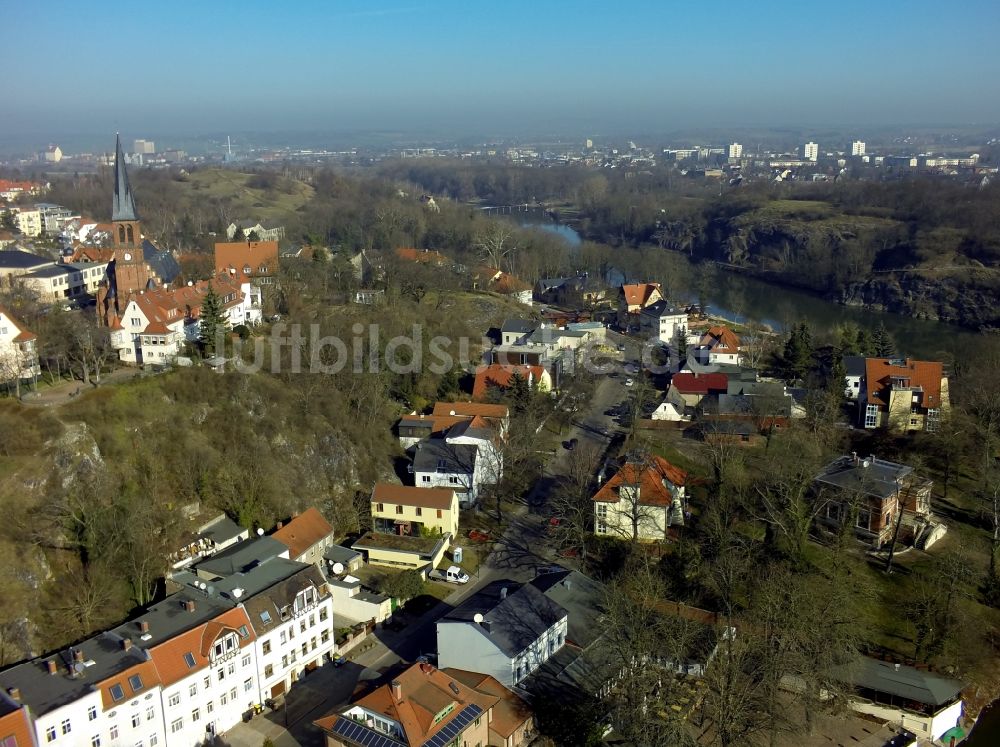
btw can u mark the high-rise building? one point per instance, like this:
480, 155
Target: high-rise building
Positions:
735, 150
810, 151
588, 143
858, 148
143, 147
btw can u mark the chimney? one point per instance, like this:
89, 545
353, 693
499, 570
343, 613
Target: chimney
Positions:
854, 457
77, 655
896, 666
503, 592
143, 626
189, 605
51, 666
397, 691
126, 644
14, 693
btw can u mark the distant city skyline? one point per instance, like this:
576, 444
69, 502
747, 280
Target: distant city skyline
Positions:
457, 68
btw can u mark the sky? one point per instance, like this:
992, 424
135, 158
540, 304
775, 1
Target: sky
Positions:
497, 68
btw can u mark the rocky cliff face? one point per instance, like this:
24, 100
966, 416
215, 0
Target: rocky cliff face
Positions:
970, 301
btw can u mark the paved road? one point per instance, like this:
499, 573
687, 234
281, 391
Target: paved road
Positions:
515, 556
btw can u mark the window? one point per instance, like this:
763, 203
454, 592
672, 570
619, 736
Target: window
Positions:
231, 668
176, 725
265, 617
223, 699
207, 682
221, 674
136, 720
266, 647
246, 660
871, 416
150, 713
302, 626
153, 741
325, 636
95, 741
292, 656
380, 507
174, 699
312, 643
246, 269
189, 660
209, 707
323, 614
135, 682
247, 685
50, 734
243, 631
399, 509
232, 694
283, 637
269, 670
113, 733
66, 726
195, 714
913, 421
425, 478
453, 480
92, 713
136, 321
419, 511
312, 620
305, 650
284, 662
117, 693
864, 519
439, 513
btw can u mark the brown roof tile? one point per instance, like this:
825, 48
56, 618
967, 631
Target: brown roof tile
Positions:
407, 495
303, 531
880, 372
649, 477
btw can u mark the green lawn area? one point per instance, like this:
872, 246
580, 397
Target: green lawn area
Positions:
264, 205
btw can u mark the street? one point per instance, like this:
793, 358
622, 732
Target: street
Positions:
515, 556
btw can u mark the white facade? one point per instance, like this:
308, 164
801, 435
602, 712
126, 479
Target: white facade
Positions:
249, 311
810, 151
858, 148
139, 721
466, 645
135, 347
18, 353
299, 642
28, 221
662, 326
212, 699
65, 281
735, 150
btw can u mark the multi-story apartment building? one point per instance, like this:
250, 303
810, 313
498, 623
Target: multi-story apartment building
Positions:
28, 220
661, 321
65, 281
858, 148
293, 621
810, 152
415, 511
735, 150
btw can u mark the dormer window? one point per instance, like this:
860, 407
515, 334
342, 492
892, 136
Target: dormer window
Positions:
247, 270
135, 682
117, 693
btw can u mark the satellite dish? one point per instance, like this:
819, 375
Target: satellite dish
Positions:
202, 585
478, 618
260, 531
338, 568
128, 257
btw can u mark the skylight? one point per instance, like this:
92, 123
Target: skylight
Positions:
189, 660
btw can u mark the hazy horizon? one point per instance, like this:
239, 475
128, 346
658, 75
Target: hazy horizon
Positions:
445, 69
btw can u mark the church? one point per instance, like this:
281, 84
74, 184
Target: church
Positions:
128, 272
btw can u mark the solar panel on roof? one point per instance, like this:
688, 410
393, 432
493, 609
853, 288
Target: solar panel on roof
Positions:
363, 735
455, 726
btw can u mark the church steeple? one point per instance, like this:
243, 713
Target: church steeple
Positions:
123, 207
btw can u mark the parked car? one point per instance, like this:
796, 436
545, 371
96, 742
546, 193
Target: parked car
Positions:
629, 381
454, 575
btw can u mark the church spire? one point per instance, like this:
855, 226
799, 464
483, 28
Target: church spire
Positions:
123, 207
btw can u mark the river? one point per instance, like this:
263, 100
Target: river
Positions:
739, 297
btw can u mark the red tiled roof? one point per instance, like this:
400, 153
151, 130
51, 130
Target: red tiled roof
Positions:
407, 495
649, 477
15, 724
303, 531
232, 257
879, 373
640, 294
169, 655
23, 334
692, 383
426, 692
499, 374
509, 714
423, 256
720, 339
148, 675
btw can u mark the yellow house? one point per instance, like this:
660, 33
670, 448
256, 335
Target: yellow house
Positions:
414, 512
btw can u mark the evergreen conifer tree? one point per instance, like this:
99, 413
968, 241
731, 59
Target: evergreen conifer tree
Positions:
212, 321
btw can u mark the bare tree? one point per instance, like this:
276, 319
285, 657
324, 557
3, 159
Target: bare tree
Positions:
495, 245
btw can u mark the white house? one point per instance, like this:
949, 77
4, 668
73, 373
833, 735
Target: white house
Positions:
293, 622
18, 352
718, 345
668, 411
439, 464
661, 321
854, 365
641, 501
506, 630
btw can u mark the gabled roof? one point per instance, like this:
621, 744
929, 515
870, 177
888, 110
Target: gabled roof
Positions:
14, 723
639, 294
661, 308
426, 692
407, 495
303, 531
653, 477
280, 596
421, 256
162, 263
123, 204
499, 375
854, 365
435, 454
519, 326
510, 711
691, 383
23, 334
720, 339
901, 681
882, 373
232, 257
514, 615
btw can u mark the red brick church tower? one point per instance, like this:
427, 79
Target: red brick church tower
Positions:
127, 272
